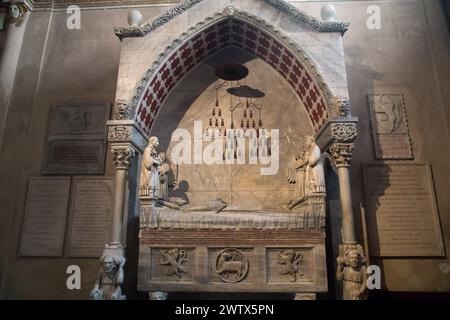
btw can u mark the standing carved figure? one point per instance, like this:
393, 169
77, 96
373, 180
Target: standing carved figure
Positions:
297, 175
306, 171
167, 176
351, 270
149, 181
109, 279
314, 171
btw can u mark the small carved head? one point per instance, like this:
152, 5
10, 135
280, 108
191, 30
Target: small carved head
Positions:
153, 141
120, 110
354, 259
162, 156
109, 263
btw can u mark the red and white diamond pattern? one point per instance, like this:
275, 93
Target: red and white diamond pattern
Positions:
221, 34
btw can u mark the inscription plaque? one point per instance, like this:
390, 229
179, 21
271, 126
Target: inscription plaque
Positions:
45, 217
74, 157
402, 216
390, 130
77, 140
91, 216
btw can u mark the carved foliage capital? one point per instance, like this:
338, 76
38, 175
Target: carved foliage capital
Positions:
122, 155
344, 132
342, 154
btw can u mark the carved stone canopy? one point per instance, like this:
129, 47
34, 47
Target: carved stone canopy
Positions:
304, 76
300, 16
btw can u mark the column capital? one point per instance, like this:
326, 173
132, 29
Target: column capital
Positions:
122, 155
344, 132
341, 153
341, 130
126, 131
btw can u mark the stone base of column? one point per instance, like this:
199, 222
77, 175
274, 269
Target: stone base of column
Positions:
157, 295
305, 296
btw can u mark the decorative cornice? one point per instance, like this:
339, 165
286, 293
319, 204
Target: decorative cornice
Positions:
59, 4
122, 155
238, 14
287, 8
342, 154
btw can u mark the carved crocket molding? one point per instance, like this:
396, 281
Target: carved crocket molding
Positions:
122, 110
340, 107
122, 155
342, 154
287, 8
344, 132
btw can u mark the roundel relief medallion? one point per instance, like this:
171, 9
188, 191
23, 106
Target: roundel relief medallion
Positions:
231, 265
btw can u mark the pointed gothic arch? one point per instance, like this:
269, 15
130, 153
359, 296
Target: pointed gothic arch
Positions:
231, 27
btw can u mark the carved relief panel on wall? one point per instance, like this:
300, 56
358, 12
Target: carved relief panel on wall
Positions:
390, 132
76, 142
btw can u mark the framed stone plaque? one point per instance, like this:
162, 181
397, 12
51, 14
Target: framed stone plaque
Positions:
390, 132
44, 222
75, 156
401, 211
77, 140
90, 216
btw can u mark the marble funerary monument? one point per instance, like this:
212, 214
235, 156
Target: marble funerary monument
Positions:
196, 240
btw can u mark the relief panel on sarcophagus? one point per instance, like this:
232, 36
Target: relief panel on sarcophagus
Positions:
172, 264
231, 265
290, 265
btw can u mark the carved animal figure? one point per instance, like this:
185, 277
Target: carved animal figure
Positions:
174, 258
291, 262
230, 264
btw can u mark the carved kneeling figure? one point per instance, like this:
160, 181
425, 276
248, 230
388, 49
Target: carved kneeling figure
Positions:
109, 279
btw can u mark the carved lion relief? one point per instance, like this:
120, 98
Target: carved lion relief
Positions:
291, 262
